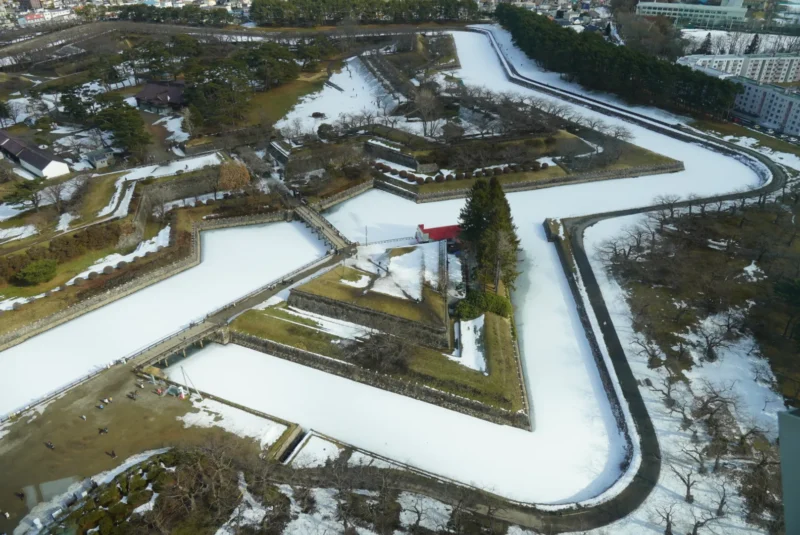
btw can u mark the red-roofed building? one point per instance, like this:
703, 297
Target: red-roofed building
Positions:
449, 233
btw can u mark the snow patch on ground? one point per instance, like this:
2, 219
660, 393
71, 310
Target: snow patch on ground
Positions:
171, 168
431, 514
249, 512
174, 126
244, 424
402, 274
471, 339
146, 507
753, 273
314, 452
362, 282
27, 175
322, 520
335, 327
361, 92
741, 367
122, 209
148, 246
64, 221
17, 233
362, 459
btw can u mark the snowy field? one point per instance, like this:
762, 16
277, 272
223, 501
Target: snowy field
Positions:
361, 91
154, 171
212, 413
399, 275
61, 355
576, 449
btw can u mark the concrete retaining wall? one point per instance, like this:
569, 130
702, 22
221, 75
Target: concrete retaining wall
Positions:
424, 334
580, 178
378, 151
343, 195
385, 382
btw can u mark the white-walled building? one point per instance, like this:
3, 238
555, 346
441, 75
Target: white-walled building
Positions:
775, 68
730, 10
32, 160
769, 106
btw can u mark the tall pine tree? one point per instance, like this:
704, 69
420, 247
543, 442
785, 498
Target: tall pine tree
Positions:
490, 235
754, 45
705, 46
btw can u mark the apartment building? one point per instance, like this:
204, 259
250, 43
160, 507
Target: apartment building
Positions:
769, 106
730, 10
765, 68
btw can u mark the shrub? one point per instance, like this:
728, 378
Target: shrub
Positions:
119, 512
139, 498
137, 483
536, 166
506, 170
497, 171
476, 303
460, 176
109, 497
393, 172
37, 253
420, 180
403, 174
233, 176
106, 525
91, 520
382, 352
37, 272
451, 177
412, 178
550, 140
163, 481
428, 180
440, 178
545, 165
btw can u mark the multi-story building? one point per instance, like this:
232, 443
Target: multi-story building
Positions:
730, 10
771, 69
789, 423
769, 106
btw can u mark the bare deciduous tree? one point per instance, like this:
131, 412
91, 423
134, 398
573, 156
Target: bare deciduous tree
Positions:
688, 481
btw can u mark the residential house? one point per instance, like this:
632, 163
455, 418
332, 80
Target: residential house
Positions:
162, 98
100, 158
34, 161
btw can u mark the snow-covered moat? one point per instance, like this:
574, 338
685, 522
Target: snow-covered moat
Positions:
574, 454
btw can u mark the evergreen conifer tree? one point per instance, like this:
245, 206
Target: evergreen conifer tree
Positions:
754, 45
705, 46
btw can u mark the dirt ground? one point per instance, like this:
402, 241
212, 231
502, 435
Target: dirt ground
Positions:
80, 451
159, 147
